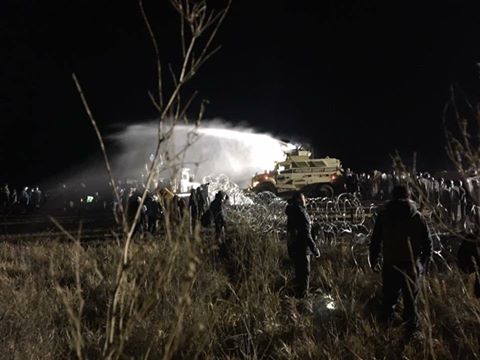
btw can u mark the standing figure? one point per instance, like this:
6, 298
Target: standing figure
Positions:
300, 242
456, 203
435, 192
375, 180
153, 212
424, 185
475, 192
13, 197
351, 182
24, 199
217, 211
362, 184
469, 260
403, 238
463, 202
370, 187
133, 204
36, 197
445, 199
4, 197
194, 209
203, 198
201, 202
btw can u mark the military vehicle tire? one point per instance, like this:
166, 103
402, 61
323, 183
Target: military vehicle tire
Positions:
266, 186
326, 190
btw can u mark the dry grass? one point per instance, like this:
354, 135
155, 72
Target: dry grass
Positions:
187, 298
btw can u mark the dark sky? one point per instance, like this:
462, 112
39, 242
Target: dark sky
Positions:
356, 79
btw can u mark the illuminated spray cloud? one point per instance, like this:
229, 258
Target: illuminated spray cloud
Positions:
237, 152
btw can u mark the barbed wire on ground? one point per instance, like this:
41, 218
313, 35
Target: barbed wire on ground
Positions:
342, 219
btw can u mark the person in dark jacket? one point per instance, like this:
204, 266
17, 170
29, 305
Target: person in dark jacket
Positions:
469, 259
134, 201
4, 197
194, 209
202, 199
403, 238
24, 199
217, 212
300, 242
153, 212
13, 197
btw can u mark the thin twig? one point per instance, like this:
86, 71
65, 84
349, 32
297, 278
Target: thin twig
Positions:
103, 148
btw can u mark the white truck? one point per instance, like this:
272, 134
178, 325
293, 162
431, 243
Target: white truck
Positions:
314, 177
186, 182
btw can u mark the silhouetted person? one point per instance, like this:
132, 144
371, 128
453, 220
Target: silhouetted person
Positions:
456, 203
134, 201
203, 199
424, 189
463, 201
363, 187
446, 198
351, 182
403, 238
193, 207
153, 213
300, 242
376, 182
24, 199
36, 197
4, 197
217, 211
13, 197
436, 189
475, 191
180, 208
469, 259
384, 187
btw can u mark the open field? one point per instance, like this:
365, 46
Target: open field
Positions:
185, 297
39, 224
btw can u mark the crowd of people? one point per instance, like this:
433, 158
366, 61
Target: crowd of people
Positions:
80, 199
26, 200
161, 202
457, 199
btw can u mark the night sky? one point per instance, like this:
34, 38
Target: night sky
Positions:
355, 79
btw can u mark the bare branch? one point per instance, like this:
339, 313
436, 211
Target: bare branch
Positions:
104, 150
157, 53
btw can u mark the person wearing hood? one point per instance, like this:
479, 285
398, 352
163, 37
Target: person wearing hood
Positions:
402, 236
300, 242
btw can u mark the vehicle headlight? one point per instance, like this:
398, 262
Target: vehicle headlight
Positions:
255, 183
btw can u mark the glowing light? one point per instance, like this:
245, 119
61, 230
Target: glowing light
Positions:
330, 305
